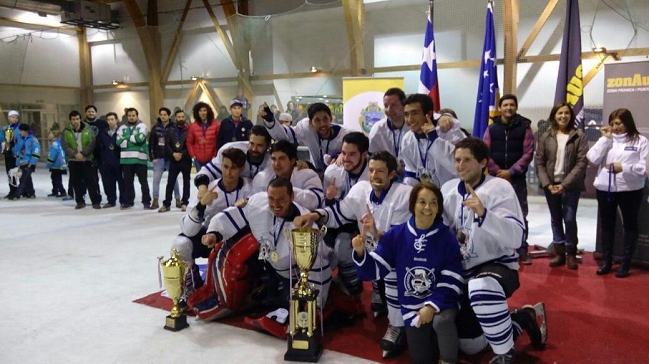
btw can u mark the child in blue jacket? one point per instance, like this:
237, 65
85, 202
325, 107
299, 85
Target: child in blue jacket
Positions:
56, 162
28, 151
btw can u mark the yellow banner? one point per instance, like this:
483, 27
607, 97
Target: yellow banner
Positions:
363, 100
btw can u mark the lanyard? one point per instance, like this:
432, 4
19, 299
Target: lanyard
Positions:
227, 201
326, 149
277, 234
178, 134
424, 156
351, 182
396, 139
204, 128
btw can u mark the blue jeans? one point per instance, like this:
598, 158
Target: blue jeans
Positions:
563, 211
159, 167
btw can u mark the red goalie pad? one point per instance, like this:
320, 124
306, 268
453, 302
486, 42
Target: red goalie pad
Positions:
227, 279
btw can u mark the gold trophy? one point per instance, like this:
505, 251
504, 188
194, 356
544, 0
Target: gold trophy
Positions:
173, 271
304, 341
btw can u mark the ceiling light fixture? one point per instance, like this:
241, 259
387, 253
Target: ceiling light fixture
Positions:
314, 69
194, 78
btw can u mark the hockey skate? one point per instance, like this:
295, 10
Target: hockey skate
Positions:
378, 306
393, 341
532, 319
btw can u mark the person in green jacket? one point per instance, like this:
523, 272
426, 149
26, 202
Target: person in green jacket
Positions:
132, 138
78, 143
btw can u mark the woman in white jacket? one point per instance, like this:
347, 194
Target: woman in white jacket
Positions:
621, 154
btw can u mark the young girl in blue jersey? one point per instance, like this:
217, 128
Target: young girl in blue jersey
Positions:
428, 263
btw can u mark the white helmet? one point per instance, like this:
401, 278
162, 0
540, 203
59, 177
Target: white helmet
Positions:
14, 176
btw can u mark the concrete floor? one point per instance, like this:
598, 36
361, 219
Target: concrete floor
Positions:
71, 275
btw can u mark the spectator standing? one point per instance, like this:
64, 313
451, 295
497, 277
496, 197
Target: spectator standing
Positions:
109, 163
158, 156
561, 168
621, 154
8, 139
78, 142
28, 151
132, 138
179, 161
202, 135
56, 162
234, 128
511, 141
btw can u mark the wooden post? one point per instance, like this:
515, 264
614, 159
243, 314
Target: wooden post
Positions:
510, 18
355, 20
85, 69
173, 52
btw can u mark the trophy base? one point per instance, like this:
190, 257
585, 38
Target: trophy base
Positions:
304, 349
176, 323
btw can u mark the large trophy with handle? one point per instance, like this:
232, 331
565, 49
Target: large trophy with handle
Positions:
304, 341
173, 271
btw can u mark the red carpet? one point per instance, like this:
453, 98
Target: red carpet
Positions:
591, 319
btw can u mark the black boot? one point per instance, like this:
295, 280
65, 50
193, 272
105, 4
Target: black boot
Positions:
608, 238
630, 241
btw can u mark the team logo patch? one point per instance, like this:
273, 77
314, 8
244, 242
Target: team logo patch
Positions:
419, 282
369, 116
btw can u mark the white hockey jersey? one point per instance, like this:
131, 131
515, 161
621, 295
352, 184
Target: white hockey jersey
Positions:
212, 169
388, 210
384, 136
193, 220
431, 157
307, 188
271, 232
497, 234
344, 181
303, 132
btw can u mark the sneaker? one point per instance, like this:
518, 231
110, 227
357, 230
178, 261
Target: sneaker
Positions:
53, 195
60, 195
125, 207
108, 205
96, 206
80, 206
178, 203
526, 319
31, 197
507, 358
13, 198
183, 208
147, 206
393, 340
67, 198
164, 209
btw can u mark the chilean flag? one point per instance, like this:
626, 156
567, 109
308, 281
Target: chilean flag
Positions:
428, 77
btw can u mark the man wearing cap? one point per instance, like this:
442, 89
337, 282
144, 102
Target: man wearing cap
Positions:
285, 119
235, 128
8, 139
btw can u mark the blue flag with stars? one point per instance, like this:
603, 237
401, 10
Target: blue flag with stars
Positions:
488, 93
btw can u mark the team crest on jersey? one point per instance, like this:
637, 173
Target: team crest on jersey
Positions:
465, 238
419, 282
369, 116
265, 248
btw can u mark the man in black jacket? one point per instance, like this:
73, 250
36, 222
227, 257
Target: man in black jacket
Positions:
158, 155
179, 161
235, 128
511, 141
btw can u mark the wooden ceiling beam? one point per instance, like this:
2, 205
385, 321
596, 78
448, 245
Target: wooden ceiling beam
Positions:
173, 52
537, 28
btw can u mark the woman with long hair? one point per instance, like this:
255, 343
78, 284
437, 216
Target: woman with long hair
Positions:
621, 154
561, 167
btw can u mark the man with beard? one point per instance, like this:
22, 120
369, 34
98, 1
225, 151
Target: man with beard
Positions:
486, 217
97, 126
375, 205
158, 155
132, 138
511, 140
387, 134
8, 139
338, 180
307, 186
202, 135
324, 139
270, 215
257, 159
78, 142
234, 128
179, 161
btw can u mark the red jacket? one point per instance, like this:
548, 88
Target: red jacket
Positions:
201, 141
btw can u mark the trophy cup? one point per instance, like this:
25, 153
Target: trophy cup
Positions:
173, 270
304, 341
